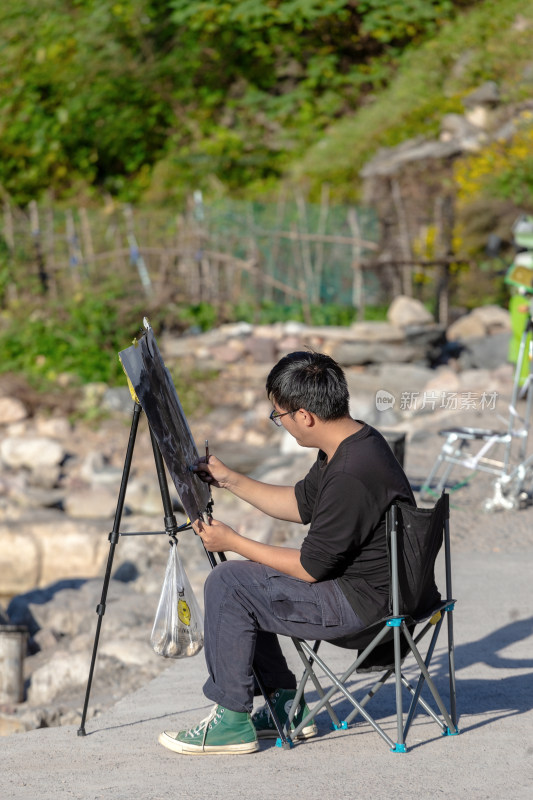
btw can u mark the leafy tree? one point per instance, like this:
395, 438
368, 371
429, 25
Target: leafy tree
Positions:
95, 93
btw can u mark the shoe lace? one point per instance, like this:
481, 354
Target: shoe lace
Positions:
263, 714
204, 724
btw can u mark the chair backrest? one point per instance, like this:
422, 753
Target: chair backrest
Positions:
419, 535
419, 538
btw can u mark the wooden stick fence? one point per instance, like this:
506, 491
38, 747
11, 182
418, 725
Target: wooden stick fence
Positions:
188, 259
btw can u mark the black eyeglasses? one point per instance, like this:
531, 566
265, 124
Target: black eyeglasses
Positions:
276, 416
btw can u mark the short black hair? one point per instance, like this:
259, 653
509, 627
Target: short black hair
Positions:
309, 380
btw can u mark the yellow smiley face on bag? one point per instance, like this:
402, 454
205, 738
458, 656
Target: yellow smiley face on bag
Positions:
184, 612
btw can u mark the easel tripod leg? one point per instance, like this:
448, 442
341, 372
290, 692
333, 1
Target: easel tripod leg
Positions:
171, 526
113, 539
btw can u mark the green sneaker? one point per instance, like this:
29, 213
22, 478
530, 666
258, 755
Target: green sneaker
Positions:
282, 701
223, 731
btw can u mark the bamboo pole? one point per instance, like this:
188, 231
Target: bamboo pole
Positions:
254, 255
86, 235
444, 226
274, 252
405, 242
299, 281
319, 247
305, 249
136, 257
9, 234
358, 289
316, 237
75, 257
11, 292
37, 245
49, 246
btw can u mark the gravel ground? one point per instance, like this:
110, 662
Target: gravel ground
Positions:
471, 526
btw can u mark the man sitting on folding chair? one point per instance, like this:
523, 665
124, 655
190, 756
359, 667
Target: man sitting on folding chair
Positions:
335, 586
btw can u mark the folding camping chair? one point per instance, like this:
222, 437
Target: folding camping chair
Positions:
414, 539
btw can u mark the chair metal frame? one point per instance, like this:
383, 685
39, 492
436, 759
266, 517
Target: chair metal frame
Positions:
513, 473
400, 625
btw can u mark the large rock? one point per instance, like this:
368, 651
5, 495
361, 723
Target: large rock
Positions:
65, 674
494, 318
405, 311
485, 352
482, 321
54, 427
128, 650
262, 349
467, 327
12, 410
10, 724
457, 127
382, 332
118, 399
39, 453
48, 546
488, 94
144, 496
61, 673
95, 469
349, 354
19, 608
392, 160
393, 377
97, 502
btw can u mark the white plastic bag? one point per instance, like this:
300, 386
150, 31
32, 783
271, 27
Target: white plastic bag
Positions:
178, 629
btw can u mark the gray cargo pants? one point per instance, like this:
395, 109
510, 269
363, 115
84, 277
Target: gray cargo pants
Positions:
246, 605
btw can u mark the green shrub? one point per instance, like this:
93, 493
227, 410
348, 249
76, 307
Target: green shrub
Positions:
80, 337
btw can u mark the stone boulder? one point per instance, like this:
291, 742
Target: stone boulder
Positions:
90, 502
47, 546
40, 455
392, 160
485, 352
382, 332
404, 311
62, 673
349, 354
12, 410
95, 469
482, 321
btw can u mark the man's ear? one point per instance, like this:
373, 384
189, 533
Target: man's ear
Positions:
308, 418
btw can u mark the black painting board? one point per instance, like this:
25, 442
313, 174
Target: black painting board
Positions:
159, 400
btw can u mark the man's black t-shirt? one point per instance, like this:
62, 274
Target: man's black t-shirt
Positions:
346, 501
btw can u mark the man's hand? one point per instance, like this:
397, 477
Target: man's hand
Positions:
218, 537
213, 472
276, 501
215, 535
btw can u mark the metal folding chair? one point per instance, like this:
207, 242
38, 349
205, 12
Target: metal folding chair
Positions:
415, 537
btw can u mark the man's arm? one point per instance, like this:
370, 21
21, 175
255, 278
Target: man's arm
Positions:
276, 501
218, 537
